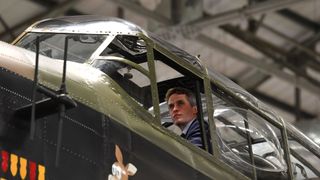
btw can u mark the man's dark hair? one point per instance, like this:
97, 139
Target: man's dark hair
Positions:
179, 90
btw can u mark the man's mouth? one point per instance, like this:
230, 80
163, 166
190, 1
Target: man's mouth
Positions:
176, 116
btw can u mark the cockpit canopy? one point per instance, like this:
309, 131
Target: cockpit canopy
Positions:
90, 24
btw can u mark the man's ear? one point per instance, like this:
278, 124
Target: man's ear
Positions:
195, 110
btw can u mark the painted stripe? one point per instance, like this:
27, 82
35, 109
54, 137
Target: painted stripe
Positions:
13, 164
23, 168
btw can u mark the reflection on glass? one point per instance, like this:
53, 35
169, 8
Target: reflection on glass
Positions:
248, 143
80, 46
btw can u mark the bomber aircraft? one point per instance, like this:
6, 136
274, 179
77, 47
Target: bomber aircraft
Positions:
82, 97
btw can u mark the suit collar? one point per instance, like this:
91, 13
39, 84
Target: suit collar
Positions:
186, 128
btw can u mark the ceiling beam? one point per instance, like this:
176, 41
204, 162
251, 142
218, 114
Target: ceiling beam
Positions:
270, 69
245, 12
253, 78
52, 12
135, 7
262, 65
281, 105
269, 5
232, 15
303, 21
279, 56
60, 9
7, 28
308, 46
300, 48
208, 20
45, 3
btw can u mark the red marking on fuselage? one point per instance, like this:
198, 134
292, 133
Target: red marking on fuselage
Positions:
5, 161
32, 170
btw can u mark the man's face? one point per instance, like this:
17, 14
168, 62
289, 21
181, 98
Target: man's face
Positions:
180, 109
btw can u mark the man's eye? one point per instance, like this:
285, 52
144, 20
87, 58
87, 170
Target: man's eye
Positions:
180, 103
171, 106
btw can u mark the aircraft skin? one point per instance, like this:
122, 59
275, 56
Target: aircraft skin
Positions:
104, 133
101, 119
89, 138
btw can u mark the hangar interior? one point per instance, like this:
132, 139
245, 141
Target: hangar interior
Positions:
269, 47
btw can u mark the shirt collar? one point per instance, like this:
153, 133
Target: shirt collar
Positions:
185, 129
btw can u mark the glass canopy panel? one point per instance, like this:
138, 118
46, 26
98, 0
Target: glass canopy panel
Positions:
80, 46
247, 142
305, 164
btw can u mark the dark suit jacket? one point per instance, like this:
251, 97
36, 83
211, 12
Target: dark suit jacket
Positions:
193, 134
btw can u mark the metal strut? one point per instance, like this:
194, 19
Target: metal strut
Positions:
34, 90
56, 101
62, 106
201, 118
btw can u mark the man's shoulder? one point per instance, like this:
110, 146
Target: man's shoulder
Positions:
195, 125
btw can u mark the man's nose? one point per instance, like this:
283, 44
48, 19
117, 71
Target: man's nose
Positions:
175, 108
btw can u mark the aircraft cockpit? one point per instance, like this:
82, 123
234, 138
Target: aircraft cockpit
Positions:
245, 135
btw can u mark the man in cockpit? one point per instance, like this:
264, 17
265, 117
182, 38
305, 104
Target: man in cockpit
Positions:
183, 111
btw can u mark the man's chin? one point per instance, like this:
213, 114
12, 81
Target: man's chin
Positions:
178, 122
